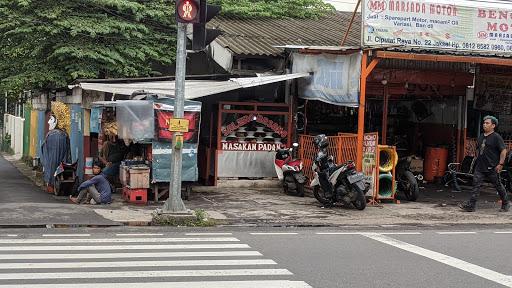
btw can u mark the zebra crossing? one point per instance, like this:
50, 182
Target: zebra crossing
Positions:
130, 260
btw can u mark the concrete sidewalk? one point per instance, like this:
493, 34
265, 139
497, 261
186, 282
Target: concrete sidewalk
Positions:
270, 207
24, 204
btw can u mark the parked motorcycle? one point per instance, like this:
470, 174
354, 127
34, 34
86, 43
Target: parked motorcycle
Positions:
289, 171
66, 179
406, 181
337, 183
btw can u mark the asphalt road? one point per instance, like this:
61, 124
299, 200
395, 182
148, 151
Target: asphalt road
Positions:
16, 188
24, 204
255, 257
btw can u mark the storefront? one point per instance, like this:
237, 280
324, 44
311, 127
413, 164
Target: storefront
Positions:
233, 140
247, 135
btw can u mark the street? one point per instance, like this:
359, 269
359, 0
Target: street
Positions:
23, 204
255, 257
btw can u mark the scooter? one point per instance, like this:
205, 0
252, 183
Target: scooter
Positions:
347, 185
406, 181
66, 179
289, 171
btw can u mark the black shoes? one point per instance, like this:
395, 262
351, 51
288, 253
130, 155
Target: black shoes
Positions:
505, 207
467, 207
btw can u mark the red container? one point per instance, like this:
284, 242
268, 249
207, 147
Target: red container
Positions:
436, 161
136, 196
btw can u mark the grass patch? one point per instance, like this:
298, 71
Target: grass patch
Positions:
199, 219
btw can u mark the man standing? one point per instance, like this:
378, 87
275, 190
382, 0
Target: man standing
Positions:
490, 159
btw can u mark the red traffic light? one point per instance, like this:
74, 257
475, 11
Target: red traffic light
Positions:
187, 11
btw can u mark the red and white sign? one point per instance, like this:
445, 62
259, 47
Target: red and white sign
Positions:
244, 120
236, 146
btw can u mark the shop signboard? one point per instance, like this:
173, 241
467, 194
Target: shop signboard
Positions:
253, 132
471, 26
370, 160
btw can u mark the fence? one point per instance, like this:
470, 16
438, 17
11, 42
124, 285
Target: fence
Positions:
471, 146
342, 148
14, 127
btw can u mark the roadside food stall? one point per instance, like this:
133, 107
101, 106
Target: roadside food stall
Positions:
143, 126
247, 135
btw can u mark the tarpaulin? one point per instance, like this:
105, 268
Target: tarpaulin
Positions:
193, 88
335, 79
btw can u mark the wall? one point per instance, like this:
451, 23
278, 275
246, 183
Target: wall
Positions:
26, 130
14, 128
76, 138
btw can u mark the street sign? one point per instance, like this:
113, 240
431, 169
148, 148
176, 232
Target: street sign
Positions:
178, 125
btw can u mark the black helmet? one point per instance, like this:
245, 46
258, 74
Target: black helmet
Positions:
320, 141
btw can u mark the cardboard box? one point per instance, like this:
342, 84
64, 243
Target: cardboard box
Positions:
138, 177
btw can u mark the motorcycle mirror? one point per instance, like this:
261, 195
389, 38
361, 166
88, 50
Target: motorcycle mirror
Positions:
295, 144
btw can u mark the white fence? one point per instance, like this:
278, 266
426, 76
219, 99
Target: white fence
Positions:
14, 127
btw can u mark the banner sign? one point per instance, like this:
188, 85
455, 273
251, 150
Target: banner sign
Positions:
235, 146
163, 124
371, 140
438, 24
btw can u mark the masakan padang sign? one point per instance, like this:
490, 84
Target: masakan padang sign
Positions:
472, 26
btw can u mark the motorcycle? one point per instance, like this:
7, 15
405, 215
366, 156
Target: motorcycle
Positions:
406, 181
66, 179
289, 171
347, 185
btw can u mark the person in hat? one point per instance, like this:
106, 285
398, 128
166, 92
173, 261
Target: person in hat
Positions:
491, 154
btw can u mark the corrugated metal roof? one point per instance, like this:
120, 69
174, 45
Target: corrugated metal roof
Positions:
260, 36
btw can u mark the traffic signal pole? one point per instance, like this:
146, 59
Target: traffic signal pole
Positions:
174, 204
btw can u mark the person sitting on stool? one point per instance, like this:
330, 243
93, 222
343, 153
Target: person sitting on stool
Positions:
96, 190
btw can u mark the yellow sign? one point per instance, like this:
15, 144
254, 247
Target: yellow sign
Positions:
178, 125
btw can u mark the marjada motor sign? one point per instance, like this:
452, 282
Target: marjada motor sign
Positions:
446, 25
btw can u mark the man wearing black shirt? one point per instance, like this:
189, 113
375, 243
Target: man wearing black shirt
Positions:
490, 159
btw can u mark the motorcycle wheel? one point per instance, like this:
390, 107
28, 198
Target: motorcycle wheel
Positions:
360, 202
319, 194
300, 189
56, 185
290, 186
411, 189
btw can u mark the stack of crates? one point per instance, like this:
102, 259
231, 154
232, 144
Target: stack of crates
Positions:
136, 183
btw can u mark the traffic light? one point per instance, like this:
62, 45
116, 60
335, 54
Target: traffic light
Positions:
201, 35
187, 11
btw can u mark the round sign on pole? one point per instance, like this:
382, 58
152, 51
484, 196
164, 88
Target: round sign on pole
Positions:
187, 10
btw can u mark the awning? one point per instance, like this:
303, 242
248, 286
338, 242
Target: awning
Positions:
193, 88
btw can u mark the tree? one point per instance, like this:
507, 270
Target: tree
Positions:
274, 8
46, 44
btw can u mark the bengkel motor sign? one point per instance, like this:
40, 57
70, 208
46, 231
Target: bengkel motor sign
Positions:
438, 25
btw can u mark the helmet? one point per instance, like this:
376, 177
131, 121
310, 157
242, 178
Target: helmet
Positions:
320, 141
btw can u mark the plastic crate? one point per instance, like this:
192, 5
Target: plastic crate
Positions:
136, 196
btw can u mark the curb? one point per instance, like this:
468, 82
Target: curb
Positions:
49, 226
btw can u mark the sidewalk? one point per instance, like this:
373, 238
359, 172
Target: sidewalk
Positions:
23, 204
270, 207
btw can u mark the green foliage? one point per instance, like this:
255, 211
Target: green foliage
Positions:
200, 219
274, 8
6, 144
46, 44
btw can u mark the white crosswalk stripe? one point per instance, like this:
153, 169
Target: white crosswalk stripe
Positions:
91, 261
